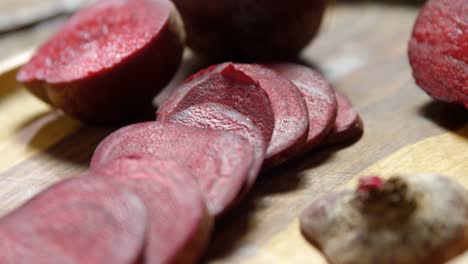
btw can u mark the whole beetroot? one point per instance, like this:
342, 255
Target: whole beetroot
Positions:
402, 220
250, 28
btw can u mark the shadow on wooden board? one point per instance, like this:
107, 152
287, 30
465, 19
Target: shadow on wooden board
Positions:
282, 179
448, 116
389, 2
8, 84
78, 147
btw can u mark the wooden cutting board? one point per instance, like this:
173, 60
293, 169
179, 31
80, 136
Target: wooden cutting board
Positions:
21, 13
361, 49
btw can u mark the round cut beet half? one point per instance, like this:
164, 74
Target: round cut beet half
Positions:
109, 60
220, 117
79, 220
319, 97
438, 50
247, 29
179, 225
223, 84
219, 161
348, 125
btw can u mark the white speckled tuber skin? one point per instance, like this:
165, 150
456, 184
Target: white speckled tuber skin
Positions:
406, 219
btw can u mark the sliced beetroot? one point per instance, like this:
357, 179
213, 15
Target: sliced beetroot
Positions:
179, 225
109, 60
319, 97
219, 161
438, 50
290, 111
220, 117
348, 124
79, 220
226, 85
288, 107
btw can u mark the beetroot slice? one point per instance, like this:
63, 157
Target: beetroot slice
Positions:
108, 60
438, 50
219, 161
319, 97
223, 84
179, 226
220, 117
348, 124
290, 112
79, 220
288, 107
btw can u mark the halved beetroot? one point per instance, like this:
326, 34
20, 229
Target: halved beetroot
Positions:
219, 161
348, 125
289, 109
79, 220
179, 225
220, 117
250, 29
438, 50
227, 85
109, 60
319, 97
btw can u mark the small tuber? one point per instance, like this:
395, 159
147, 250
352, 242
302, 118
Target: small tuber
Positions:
402, 220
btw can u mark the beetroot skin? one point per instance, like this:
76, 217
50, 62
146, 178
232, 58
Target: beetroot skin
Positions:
179, 226
80, 220
348, 125
250, 29
438, 50
220, 117
109, 60
403, 220
290, 112
319, 97
219, 161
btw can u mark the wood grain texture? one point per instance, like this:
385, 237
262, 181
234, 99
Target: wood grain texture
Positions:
288, 246
21, 13
362, 49
18, 46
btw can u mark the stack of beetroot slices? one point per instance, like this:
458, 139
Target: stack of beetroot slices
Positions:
154, 189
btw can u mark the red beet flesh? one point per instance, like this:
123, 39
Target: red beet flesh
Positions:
109, 60
220, 117
219, 161
348, 124
289, 110
178, 222
223, 84
80, 220
249, 29
370, 183
438, 50
319, 97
